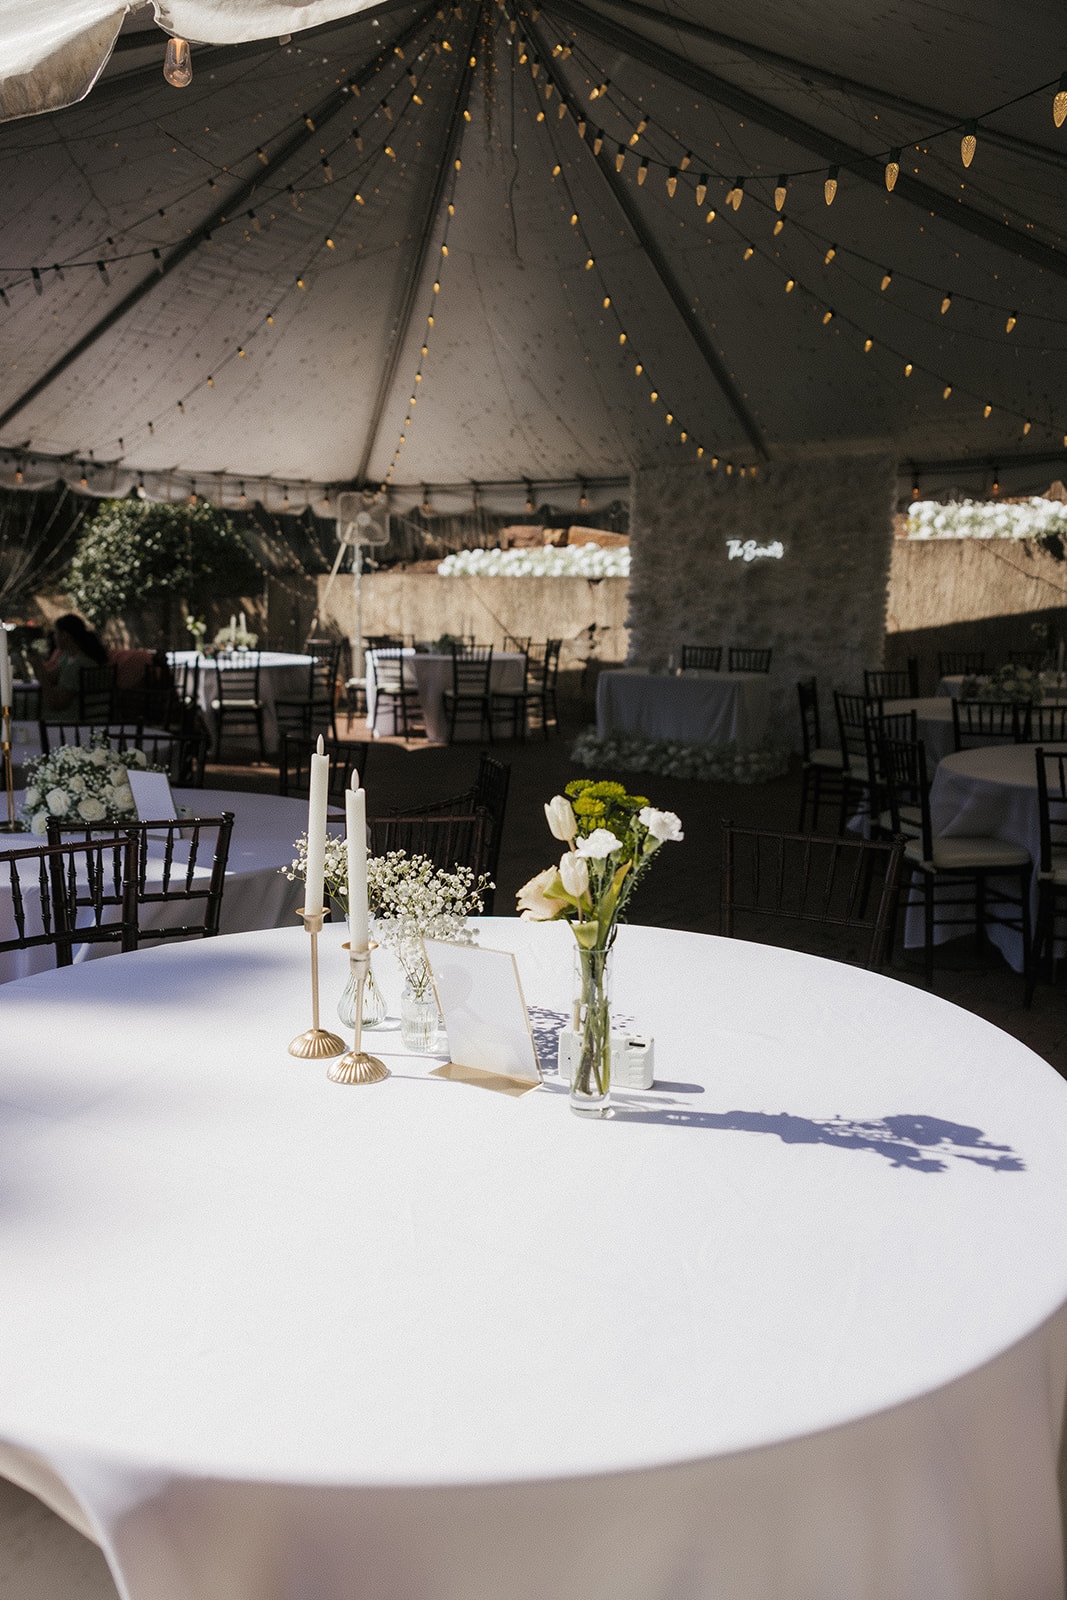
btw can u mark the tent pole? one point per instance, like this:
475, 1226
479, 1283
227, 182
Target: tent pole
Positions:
319, 114
1012, 240
398, 338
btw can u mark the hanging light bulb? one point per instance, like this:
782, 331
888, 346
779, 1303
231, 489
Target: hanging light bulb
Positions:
887, 278
986, 411
790, 284
737, 194
178, 63
829, 188
946, 302
654, 396
1027, 425
686, 160
639, 130
581, 127
947, 391
749, 253
598, 141
101, 267
622, 338
779, 192
638, 369
672, 181
1059, 104
829, 256
915, 486
702, 188
607, 301
827, 317
778, 226
892, 170
867, 346
969, 142
907, 369
1012, 319
996, 480
620, 158
642, 171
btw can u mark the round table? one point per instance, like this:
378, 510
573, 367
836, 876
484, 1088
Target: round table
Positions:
792, 1322
281, 676
694, 706
933, 720
256, 893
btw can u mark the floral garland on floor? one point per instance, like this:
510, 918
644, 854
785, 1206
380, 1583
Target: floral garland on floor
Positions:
672, 758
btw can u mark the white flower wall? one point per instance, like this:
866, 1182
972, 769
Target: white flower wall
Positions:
821, 606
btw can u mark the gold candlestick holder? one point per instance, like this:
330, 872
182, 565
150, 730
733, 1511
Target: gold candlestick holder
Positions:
11, 825
357, 1066
317, 1043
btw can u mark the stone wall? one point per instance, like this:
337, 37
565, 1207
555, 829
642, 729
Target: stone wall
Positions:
821, 606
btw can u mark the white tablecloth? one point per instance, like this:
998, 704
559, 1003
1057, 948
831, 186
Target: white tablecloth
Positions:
933, 721
707, 708
1054, 686
430, 674
791, 1324
256, 894
990, 792
281, 677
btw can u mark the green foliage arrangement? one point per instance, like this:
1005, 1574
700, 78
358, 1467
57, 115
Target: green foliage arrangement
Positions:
135, 554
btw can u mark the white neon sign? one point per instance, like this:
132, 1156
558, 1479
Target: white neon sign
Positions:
749, 550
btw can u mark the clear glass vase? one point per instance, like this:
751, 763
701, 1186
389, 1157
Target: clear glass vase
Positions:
420, 1020
591, 1021
373, 1002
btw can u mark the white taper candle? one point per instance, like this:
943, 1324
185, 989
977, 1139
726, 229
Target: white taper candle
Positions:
6, 697
316, 853
356, 839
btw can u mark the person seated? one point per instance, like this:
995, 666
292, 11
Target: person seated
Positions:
77, 646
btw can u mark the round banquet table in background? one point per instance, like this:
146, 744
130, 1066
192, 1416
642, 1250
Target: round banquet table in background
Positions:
791, 1323
933, 720
430, 674
694, 707
989, 792
281, 676
256, 894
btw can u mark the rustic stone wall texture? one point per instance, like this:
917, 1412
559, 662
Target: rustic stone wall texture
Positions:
822, 607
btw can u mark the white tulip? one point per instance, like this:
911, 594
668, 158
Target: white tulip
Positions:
600, 844
575, 875
562, 823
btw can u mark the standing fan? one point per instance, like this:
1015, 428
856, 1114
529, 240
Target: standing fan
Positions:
362, 519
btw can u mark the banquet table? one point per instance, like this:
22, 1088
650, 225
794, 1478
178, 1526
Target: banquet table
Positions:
430, 673
933, 722
281, 676
991, 792
694, 707
792, 1322
256, 894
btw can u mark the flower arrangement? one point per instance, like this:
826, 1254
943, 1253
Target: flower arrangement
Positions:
611, 838
82, 783
1036, 518
236, 638
1006, 683
409, 898
673, 758
571, 561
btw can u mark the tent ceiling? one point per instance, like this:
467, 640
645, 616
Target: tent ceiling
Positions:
328, 288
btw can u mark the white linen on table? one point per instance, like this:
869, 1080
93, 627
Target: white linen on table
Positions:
261, 1324
282, 676
989, 792
256, 894
933, 721
713, 708
430, 673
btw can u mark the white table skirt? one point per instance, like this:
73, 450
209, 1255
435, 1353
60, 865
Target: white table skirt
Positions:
430, 674
282, 676
709, 708
989, 792
256, 894
791, 1324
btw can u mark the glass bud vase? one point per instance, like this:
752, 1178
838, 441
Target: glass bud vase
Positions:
591, 1022
420, 1020
373, 1002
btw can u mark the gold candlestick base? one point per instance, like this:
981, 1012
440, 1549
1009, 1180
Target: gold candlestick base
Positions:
316, 1044
357, 1066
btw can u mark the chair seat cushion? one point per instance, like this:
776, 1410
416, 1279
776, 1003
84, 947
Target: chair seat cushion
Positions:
957, 855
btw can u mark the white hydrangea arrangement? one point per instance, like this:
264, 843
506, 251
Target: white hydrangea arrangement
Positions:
81, 783
570, 561
1006, 683
1035, 518
673, 758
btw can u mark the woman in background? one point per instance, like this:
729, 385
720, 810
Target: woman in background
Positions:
77, 646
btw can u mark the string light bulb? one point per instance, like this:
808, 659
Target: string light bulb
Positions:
908, 369
829, 256
969, 142
778, 226
947, 391
946, 302
686, 161
1027, 425
1059, 104
827, 317
672, 181
749, 253
178, 63
790, 284
867, 343
1012, 319
642, 171
892, 170
887, 278
986, 410
620, 158
829, 188
780, 191
702, 188
639, 130
737, 194
598, 141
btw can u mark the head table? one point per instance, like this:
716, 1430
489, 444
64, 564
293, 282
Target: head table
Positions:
791, 1323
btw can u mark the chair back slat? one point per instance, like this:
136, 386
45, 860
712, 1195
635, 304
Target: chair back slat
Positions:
981, 722
1052, 805
748, 658
68, 877
953, 663
448, 841
1046, 725
894, 683
706, 657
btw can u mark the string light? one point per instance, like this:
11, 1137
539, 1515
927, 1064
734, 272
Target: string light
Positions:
672, 181
1012, 319
778, 226
892, 170
702, 188
969, 142
598, 141
829, 188
908, 369
790, 284
620, 158
987, 410
829, 256
178, 63
947, 391
1059, 104
639, 130
780, 191
946, 302
867, 343
887, 278
642, 172
736, 194
1027, 425
827, 317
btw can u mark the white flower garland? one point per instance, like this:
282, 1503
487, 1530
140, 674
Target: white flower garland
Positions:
570, 561
672, 758
984, 519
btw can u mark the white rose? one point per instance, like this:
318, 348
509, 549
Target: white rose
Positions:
39, 823
661, 824
575, 875
76, 784
123, 797
91, 810
33, 797
98, 757
136, 758
58, 802
562, 822
600, 843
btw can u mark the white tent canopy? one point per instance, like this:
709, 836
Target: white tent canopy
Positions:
439, 246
